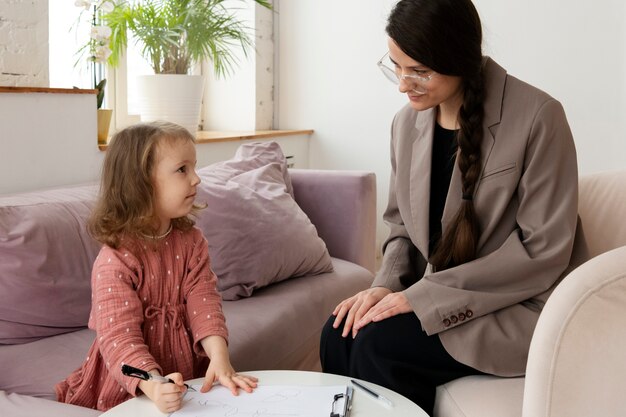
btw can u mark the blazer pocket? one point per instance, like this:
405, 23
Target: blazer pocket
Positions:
497, 172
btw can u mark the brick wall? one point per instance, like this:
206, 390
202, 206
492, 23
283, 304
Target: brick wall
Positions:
24, 43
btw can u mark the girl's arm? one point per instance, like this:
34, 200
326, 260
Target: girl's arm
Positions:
220, 370
208, 326
167, 397
204, 303
117, 316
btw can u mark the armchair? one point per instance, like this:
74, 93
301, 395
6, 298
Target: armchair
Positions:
576, 364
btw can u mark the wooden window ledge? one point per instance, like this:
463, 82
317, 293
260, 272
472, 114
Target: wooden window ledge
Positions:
233, 136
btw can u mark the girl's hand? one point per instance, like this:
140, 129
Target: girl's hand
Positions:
355, 307
389, 306
167, 397
220, 370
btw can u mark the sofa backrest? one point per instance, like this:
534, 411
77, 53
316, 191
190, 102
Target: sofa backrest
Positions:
46, 257
602, 208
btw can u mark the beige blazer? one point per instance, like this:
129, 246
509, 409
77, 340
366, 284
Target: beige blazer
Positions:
526, 201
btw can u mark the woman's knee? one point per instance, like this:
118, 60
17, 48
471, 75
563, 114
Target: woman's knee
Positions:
369, 340
328, 331
387, 336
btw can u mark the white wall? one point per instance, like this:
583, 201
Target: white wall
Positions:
575, 51
47, 139
24, 43
328, 79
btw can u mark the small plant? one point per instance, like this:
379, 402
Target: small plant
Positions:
175, 34
97, 48
100, 96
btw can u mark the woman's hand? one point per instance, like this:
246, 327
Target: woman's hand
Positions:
355, 307
389, 306
167, 397
220, 370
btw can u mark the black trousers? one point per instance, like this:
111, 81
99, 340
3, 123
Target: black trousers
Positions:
395, 353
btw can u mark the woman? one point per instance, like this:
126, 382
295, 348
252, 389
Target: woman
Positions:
482, 210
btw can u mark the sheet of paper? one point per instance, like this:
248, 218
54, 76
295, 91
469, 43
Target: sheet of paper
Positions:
265, 401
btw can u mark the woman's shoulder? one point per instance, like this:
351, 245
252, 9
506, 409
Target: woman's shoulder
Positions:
500, 86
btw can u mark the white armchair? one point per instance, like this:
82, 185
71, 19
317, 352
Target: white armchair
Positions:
577, 359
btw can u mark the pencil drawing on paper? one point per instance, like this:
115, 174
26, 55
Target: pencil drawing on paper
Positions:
267, 401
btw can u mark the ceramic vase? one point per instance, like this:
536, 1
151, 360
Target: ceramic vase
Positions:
174, 98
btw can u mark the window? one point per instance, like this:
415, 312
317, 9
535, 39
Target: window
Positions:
66, 36
234, 101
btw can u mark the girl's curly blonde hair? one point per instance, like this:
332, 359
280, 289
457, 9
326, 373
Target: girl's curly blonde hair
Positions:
125, 206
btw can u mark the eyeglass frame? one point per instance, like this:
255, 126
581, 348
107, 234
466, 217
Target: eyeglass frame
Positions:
397, 78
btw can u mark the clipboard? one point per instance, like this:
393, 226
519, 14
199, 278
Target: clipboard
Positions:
296, 400
342, 401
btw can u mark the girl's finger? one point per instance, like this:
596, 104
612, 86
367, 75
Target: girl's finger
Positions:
228, 382
242, 383
208, 382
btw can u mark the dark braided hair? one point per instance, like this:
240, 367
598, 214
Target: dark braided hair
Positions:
446, 36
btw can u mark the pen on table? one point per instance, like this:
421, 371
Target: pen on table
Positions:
373, 393
146, 376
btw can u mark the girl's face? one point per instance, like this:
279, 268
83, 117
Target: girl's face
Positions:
440, 89
175, 180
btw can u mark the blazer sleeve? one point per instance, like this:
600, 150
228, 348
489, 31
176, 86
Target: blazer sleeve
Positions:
533, 257
402, 264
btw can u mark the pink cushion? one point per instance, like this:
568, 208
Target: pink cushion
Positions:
257, 234
45, 263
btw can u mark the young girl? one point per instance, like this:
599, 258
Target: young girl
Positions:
155, 305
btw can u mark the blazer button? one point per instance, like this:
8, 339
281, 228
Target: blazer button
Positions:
469, 313
461, 316
446, 322
454, 318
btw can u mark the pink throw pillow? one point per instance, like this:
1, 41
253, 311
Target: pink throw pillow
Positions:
256, 231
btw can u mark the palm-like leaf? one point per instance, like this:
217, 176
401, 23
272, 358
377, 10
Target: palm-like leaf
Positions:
174, 34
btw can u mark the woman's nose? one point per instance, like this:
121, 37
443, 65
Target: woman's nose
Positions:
404, 85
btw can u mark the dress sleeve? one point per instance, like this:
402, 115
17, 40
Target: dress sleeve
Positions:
533, 257
204, 303
117, 316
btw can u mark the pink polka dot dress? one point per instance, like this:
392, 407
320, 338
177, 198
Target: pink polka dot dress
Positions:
151, 307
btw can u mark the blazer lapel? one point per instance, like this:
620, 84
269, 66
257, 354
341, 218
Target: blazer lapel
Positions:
495, 77
421, 161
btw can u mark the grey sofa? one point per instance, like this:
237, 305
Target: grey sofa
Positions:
278, 327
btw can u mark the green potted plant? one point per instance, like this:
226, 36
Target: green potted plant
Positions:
96, 50
173, 35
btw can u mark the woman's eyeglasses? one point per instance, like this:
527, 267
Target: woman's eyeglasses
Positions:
395, 74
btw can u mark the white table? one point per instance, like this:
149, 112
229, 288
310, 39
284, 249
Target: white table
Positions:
363, 405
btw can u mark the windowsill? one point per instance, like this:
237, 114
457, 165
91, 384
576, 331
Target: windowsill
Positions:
7, 89
234, 136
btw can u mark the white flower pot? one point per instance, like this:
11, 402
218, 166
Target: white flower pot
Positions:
176, 98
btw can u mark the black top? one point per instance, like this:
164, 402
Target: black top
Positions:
443, 157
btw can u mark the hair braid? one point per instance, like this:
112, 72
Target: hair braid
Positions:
459, 241
446, 36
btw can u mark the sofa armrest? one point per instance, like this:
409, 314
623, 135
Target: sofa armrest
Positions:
342, 206
576, 364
